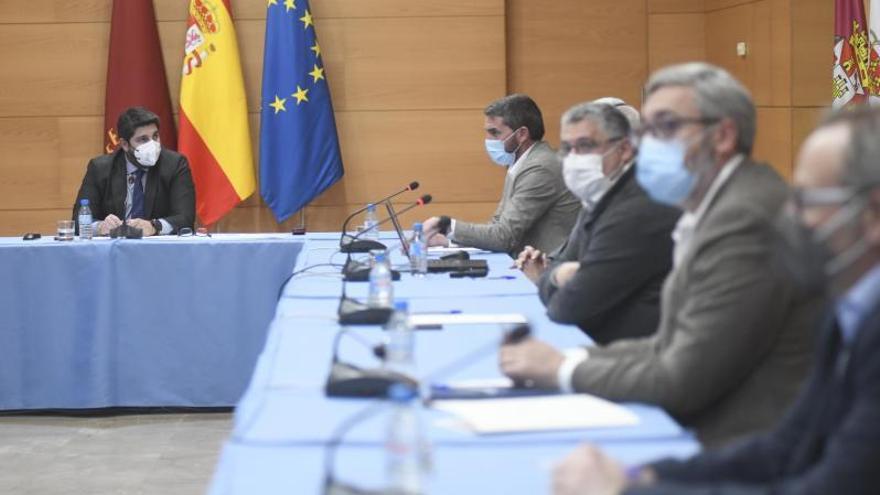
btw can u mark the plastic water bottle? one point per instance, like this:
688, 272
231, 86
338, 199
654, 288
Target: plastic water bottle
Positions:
418, 252
408, 454
381, 289
399, 352
84, 218
371, 232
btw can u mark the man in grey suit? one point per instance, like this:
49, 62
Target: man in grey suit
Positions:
536, 208
735, 333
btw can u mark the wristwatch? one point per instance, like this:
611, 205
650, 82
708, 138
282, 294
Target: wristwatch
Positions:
157, 226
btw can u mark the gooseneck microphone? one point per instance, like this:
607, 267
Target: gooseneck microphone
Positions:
348, 380
356, 272
363, 246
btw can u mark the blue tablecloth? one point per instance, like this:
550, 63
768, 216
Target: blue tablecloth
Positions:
284, 422
152, 322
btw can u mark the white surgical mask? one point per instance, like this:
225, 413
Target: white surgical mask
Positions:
583, 176
147, 154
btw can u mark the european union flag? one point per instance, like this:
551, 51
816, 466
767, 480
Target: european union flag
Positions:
299, 148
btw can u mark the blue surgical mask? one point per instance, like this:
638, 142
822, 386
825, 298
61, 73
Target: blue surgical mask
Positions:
496, 151
661, 172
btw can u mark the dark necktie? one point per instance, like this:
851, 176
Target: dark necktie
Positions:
137, 195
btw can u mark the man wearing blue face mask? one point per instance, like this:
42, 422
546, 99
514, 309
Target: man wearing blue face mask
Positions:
829, 441
536, 208
611, 289
140, 181
734, 338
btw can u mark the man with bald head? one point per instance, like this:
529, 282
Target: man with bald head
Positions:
829, 442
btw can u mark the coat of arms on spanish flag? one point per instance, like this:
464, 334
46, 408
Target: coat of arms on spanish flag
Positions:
214, 132
856, 71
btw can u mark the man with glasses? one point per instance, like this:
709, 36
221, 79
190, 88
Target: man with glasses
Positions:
535, 209
611, 289
829, 442
734, 338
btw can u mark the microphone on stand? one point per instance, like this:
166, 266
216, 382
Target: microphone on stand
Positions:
356, 245
358, 272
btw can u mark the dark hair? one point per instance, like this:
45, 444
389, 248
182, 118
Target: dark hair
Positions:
132, 118
518, 111
612, 121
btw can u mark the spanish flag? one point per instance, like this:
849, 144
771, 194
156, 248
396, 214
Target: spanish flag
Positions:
213, 125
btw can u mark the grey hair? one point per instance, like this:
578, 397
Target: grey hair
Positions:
628, 111
719, 95
861, 167
612, 122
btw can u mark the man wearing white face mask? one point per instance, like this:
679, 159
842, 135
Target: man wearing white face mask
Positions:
536, 208
734, 339
149, 186
612, 290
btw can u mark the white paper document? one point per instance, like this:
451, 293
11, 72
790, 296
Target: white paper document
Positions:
426, 319
544, 413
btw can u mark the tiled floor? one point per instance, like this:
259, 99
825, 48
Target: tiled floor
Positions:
167, 454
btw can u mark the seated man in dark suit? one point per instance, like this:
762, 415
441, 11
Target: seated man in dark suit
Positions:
150, 186
733, 345
829, 441
612, 291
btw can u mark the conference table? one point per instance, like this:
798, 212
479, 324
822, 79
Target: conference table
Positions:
288, 437
157, 322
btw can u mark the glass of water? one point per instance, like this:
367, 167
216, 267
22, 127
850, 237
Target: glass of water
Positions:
66, 228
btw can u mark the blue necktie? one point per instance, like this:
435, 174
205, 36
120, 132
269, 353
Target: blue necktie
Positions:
137, 195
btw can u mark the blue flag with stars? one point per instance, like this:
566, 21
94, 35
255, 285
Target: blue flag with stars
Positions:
299, 148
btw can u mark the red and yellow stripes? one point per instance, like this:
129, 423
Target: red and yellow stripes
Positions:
213, 128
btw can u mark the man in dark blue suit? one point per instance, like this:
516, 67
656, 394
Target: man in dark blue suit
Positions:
829, 442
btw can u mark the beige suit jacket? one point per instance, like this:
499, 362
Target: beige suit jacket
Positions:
536, 209
736, 332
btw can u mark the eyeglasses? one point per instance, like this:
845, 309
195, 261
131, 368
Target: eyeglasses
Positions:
583, 146
666, 127
822, 196
188, 232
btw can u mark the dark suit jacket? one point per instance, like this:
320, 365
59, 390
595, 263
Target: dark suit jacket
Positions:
734, 342
827, 444
625, 252
169, 193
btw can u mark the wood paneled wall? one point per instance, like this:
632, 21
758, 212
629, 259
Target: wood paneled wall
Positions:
409, 80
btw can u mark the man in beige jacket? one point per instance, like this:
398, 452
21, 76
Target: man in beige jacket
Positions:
736, 329
536, 208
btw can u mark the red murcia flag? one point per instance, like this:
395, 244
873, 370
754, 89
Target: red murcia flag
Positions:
135, 71
856, 70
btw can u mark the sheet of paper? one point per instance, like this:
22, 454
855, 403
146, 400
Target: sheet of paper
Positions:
440, 251
426, 319
543, 413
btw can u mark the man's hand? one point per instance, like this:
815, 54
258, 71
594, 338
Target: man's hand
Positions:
431, 227
531, 361
588, 471
108, 224
438, 240
563, 273
144, 225
533, 263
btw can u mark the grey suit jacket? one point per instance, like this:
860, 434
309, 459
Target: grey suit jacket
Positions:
536, 209
735, 336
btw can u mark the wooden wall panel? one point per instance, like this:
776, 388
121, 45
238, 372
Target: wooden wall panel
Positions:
675, 38
812, 41
712, 5
676, 6
804, 120
773, 139
569, 51
408, 105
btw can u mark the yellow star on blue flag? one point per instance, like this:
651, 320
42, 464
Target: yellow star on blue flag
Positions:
299, 147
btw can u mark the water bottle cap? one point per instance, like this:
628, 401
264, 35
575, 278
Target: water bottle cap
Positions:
84, 202
380, 256
371, 207
417, 226
401, 306
400, 392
